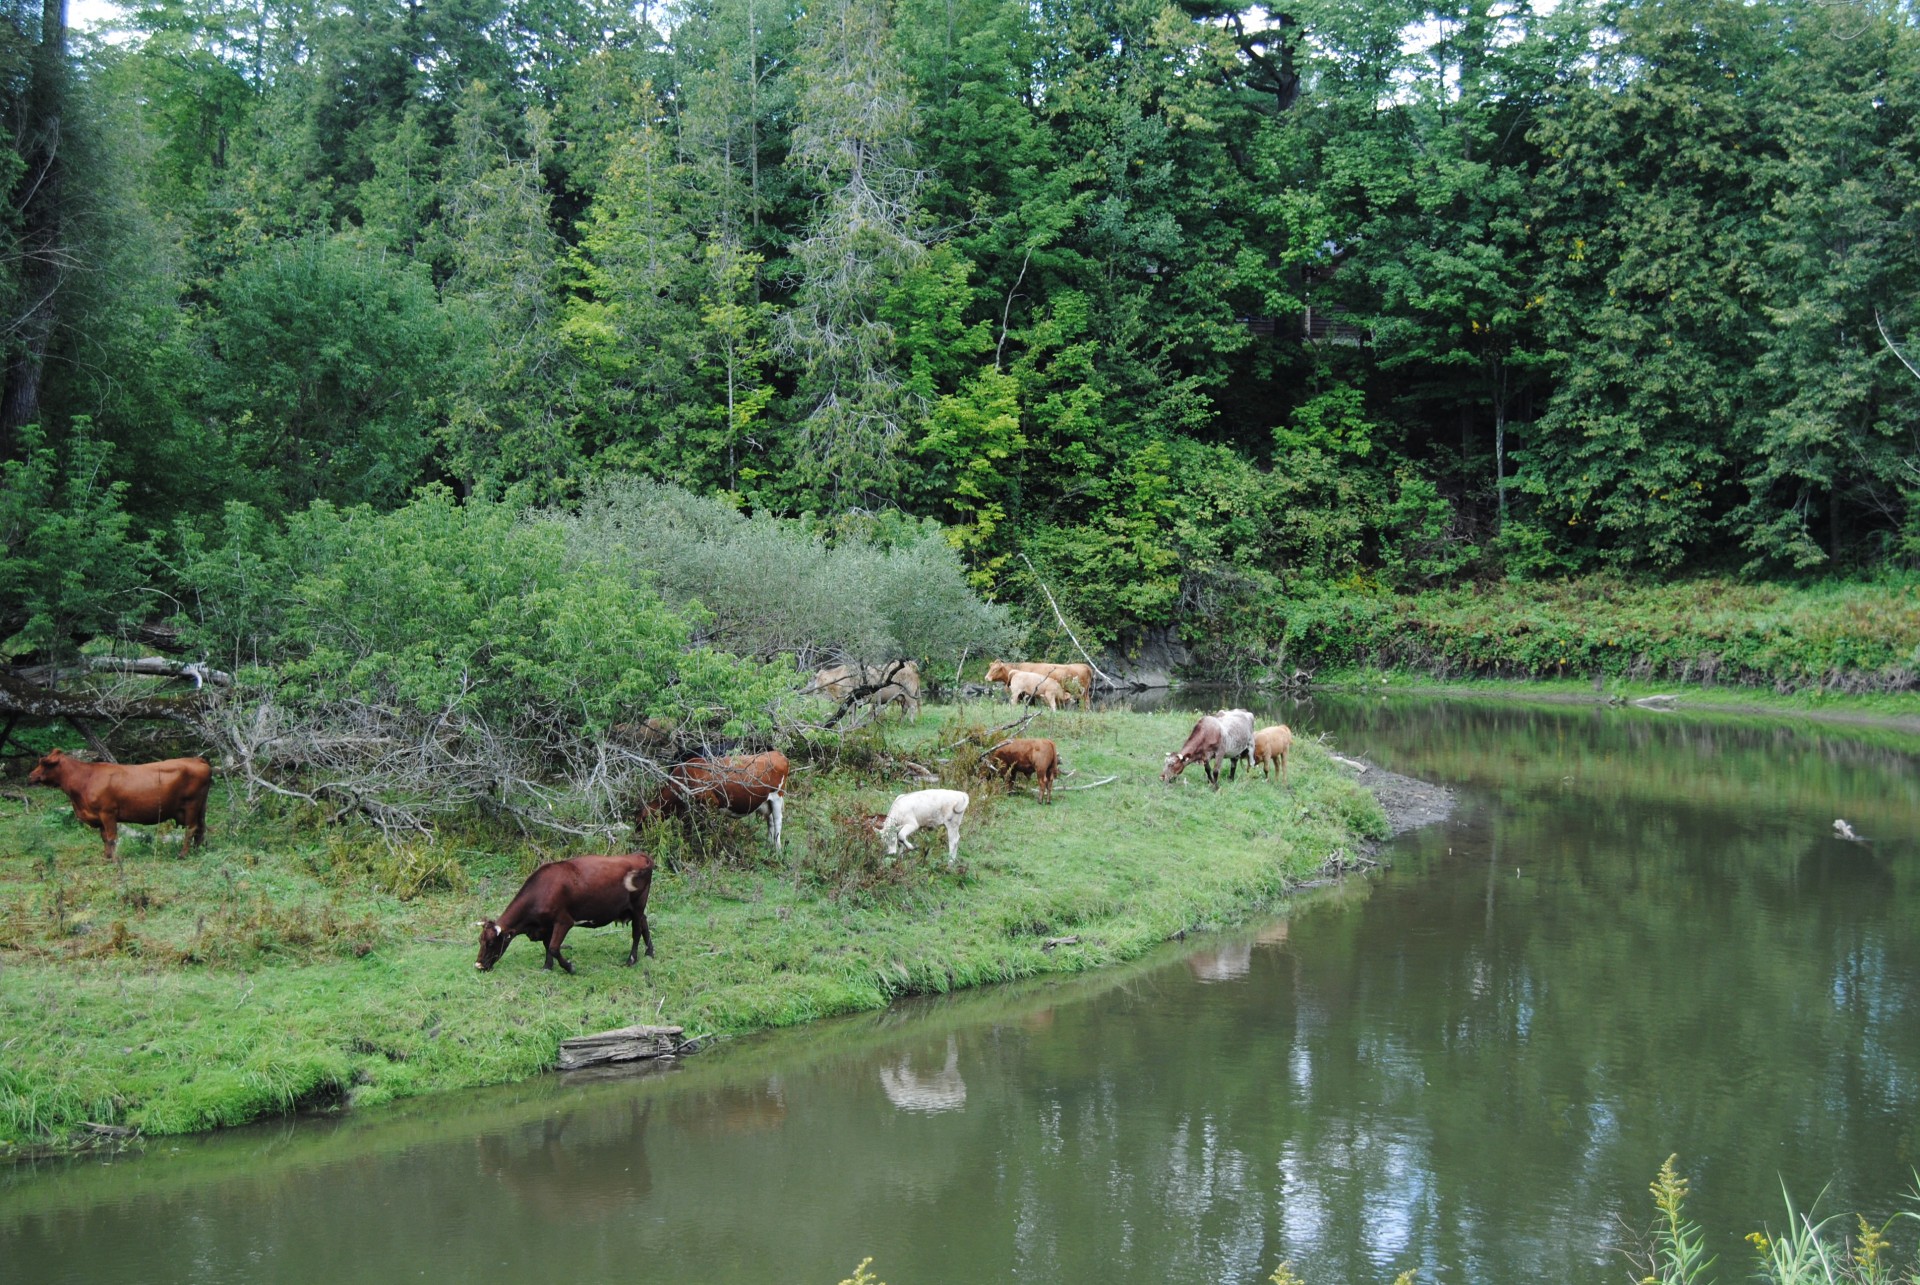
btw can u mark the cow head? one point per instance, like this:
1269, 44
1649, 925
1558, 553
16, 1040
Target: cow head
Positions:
890, 836
998, 672
493, 944
47, 770
1176, 761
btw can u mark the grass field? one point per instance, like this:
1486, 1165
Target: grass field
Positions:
291, 965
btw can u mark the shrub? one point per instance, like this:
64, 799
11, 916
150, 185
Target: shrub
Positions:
453, 657
766, 587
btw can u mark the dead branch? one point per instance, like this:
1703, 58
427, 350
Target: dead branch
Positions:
1090, 785
1097, 671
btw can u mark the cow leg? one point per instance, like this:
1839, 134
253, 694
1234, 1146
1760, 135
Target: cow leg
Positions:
639, 932
774, 806
110, 835
953, 840
559, 934
194, 819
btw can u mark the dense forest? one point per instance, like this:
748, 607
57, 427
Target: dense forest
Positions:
1177, 306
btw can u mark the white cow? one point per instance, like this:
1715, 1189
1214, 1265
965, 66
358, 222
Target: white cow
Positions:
1236, 739
922, 810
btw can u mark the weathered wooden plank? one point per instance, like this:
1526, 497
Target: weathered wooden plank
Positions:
628, 1044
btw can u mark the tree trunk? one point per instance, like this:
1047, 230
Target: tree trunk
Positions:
42, 221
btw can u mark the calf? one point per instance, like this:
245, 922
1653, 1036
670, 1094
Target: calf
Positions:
746, 785
588, 891
1271, 745
1035, 687
922, 810
105, 794
1030, 755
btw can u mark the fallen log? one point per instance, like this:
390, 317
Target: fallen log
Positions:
628, 1044
161, 667
34, 701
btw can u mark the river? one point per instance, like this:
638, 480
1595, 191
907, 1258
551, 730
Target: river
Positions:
1637, 935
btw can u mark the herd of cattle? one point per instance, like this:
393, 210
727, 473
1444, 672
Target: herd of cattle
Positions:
592, 891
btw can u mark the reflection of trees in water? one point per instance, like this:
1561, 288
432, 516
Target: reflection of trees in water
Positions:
574, 1166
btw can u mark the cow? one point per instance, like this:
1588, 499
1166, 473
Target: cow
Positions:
586, 891
1236, 739
922, 810
1272, 745
896, 682
1036, 688
1077, 680
1226, 735
1030, 755
106, 794
744, 785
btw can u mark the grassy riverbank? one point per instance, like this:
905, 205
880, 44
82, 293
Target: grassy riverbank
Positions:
1898, 710
288, 965
1859, 640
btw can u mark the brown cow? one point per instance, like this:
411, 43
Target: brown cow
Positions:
1272, 745
743, 786
1076, 679
1033, 756
588, 891
1205, 746
105, 794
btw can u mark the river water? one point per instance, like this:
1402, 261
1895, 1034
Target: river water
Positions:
1636, 936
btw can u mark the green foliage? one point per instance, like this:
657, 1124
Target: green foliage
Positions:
767, 587
1834, 638
329, 358
69, 565
500, 653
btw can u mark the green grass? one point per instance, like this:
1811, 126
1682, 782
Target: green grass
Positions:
1893, 709
1822, 639
287, 966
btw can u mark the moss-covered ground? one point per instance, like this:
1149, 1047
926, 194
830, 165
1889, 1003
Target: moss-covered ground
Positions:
288, 964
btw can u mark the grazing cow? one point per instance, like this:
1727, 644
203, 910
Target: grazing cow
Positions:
1075, 680
1036, 688
1226, 735
1272, 745
1032, 755
922, 810
743, 786
588, 891
1202, 747
896, 682
105, 794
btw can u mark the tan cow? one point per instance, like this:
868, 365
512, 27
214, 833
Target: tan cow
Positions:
898, 683
1077, 680
1271, 745
1036, 687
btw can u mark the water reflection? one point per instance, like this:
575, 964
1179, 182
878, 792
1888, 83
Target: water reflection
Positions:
1638, 936
935, 1091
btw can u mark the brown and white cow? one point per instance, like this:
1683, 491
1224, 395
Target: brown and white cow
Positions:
743, 785
105, 795
584, 892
